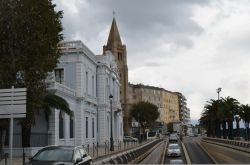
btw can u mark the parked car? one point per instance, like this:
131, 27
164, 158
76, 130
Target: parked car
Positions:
191, 135
129, 139
152, 135
63, 155
174, 150
173, 138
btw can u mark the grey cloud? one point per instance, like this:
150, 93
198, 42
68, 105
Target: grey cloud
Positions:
139, 21
153, 64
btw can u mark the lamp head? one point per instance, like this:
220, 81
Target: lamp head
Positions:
110, 96
218, 90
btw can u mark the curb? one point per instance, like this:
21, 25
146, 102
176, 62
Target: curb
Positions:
227, 145
209, 155
142, 157
186, 153
117, 152
164, 153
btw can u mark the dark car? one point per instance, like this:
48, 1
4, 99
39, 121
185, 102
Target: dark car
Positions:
61, 155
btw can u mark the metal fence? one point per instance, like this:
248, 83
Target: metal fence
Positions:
96, 150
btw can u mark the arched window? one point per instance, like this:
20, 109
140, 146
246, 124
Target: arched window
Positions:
119, 56
61, 125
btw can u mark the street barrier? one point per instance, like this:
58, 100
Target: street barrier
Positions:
239, 145
131, 156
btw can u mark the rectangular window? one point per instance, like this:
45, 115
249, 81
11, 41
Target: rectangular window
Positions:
87, 84
93, 85
61, 126
71, 126
87, 128
59, 75
107, 88
93, 128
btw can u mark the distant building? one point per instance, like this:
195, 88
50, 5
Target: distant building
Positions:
184, 113
166, 101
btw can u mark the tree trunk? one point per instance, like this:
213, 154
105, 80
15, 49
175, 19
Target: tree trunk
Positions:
230, 130
248, 133
26, 133
238, 128
218, 131
224, 129
2, 140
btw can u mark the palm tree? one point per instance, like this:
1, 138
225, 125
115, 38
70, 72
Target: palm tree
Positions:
211, 119
205, 123
245, 115
3, 127
230, 107
52, 102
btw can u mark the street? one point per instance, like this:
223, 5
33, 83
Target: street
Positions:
224, 155
182, 157
196, 153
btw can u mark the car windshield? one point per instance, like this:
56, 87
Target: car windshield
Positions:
173, 147
60, 155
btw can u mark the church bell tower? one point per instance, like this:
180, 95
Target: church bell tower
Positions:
114, 44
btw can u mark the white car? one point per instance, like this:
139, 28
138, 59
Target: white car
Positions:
129, 139
176, 161
173, 138
174, 150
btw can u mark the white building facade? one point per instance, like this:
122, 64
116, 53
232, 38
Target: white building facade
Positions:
86, 81
108, 85
74, 80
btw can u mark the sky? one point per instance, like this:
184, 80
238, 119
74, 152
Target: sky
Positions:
189, 46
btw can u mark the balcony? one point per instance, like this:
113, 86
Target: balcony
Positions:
53, 85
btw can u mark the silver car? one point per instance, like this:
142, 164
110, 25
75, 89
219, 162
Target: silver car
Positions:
129, 139
176, 161
173, 138
63, 155
174, 150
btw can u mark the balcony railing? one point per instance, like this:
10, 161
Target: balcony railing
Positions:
53, 85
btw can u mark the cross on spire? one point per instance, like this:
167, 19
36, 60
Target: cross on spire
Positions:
113, 13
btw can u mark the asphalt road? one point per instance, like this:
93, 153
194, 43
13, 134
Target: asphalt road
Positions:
182, 157
195, 152
155, 156
225, 155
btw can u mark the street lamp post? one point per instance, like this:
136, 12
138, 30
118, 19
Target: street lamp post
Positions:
111, 124
218, 91
139, 129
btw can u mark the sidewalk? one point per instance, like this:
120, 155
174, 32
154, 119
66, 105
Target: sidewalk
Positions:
102, 152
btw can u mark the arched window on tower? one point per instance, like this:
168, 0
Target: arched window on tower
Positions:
119, 56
